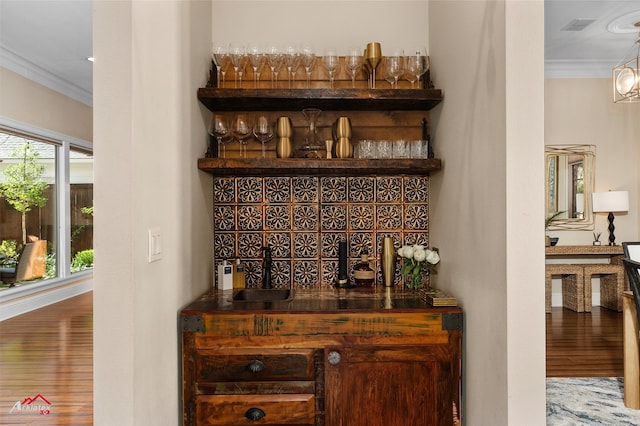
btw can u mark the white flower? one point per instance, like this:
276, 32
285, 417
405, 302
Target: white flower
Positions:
419, 254
432, 257
400, 251
418, 247
407, 251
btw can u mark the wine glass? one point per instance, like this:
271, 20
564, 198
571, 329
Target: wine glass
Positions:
373, 56
263, 131
275, 60
394, 65
292, 62
308, 59
421, 56
239, 59
385, 72
331, 62
257, 59
219, 129
354, 62
241, 129
415, 68
221, 60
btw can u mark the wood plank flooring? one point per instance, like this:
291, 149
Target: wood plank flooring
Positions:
49, 352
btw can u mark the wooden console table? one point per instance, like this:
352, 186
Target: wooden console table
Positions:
613, 281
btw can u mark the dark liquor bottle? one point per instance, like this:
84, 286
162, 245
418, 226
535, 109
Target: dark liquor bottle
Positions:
363, 275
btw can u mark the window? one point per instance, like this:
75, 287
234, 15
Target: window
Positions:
46, 193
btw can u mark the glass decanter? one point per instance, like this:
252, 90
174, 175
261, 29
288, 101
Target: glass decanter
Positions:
312, 141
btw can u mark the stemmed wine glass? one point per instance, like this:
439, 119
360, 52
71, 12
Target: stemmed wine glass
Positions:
354, 62
386, 73
239, 61
275, 60
415, 68
263, 131
221, 60
373, 56
219, 129
308, 59
241, 129
394, 65
257, 59
331, 62
421, 56
292, 62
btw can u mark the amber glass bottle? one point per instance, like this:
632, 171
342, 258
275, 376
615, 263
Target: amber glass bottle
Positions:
363, 275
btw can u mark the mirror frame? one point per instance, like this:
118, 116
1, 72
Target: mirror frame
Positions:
589, 153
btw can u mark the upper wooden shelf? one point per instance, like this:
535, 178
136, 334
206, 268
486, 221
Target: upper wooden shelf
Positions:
324, 99
316, 167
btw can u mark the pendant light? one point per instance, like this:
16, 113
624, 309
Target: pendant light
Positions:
626, 75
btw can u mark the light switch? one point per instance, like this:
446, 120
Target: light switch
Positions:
155, 245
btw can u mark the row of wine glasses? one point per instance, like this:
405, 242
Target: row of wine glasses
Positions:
293, 57
240, 128
275, 56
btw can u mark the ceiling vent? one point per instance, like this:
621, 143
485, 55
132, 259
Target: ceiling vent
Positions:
578, 24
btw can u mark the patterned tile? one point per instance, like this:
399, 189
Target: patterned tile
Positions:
250, 190
362, 217
277, 189
253, 273
249, 218
416, 216
329, 272
277, 217
330, 242
361, 242
224, 190
411, 238
305, 273
281, 274
305, 245
224, 218
334, 217
224, 246
361, 189
389, 189
250, 245
416, 189
333, 189
280, 243
305, 189
305, 217
389, 216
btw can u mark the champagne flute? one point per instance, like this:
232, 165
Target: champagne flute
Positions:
219, 129
257, 59
239, 60
308, 59
354, 62
331, 63
373, 56
263, 131
275, 60
291, 61
241, 129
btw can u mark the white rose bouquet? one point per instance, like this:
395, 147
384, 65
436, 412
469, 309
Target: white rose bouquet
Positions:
415, 259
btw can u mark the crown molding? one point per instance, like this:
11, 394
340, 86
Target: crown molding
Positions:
33, 72
577, 69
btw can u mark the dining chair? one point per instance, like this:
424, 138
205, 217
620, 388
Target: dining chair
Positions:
31, 264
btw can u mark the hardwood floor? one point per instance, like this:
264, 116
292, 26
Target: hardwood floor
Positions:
49, 352
584, 344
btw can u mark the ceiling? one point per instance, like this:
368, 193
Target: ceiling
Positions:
48, 41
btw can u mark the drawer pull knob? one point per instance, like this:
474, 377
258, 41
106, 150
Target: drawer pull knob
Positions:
255, 366
334, 358
254, 414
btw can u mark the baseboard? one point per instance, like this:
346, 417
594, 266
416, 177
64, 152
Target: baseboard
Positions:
21, 305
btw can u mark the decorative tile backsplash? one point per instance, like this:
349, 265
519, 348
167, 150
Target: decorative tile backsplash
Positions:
304, 218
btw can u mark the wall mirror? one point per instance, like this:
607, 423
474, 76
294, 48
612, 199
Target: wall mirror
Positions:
569, 185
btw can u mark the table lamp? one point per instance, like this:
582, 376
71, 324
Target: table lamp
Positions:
611, 201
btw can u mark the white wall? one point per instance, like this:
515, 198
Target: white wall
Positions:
487, 203
149, 131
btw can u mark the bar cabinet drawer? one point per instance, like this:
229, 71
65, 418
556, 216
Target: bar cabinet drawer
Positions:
233, 365
242, 410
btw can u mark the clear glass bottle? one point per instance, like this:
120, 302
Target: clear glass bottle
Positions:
363, 275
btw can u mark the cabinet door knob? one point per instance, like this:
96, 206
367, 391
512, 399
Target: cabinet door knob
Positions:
255, 366
334, 358
254, 414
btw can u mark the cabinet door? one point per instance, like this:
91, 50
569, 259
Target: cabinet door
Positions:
391, 385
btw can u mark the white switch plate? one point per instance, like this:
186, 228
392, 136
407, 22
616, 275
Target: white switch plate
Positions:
155, 245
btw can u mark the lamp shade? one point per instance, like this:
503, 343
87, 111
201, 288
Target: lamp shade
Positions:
611, 201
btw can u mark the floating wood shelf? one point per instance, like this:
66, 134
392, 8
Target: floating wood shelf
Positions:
315, 167
324, 99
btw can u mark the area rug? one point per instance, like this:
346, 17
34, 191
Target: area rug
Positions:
588, 401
